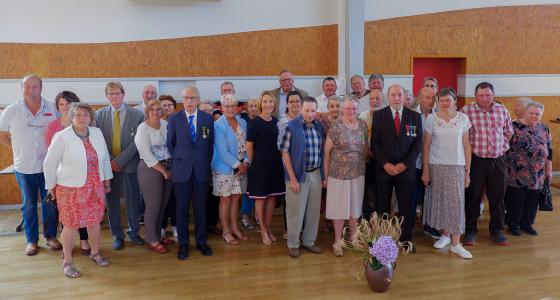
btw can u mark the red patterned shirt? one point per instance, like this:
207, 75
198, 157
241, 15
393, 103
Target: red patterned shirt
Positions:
489, 129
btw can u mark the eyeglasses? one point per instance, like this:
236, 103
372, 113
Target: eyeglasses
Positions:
286, 80
114, 94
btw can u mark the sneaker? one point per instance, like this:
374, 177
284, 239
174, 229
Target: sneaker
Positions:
500, 238
141, 220
175, 235
469, 239
462, 252
432, 232
442, 242
162, 233
247, 224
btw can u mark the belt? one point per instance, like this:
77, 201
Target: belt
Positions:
165, 160
485, 158
311, 170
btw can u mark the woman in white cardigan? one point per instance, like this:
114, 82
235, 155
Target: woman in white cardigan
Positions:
77, 173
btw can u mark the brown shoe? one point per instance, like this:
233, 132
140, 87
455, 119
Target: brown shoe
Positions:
314, 249
53, 244
31, 249
293, 252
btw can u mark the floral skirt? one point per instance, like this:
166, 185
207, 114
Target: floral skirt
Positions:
227, 185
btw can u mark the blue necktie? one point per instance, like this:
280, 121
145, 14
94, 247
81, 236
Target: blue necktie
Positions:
191, 128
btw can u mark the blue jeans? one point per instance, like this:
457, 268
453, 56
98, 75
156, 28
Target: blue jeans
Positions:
33, 186
247, 204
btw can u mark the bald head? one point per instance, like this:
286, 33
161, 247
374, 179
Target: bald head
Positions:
32, 85
427, 99
375, 99
149, 92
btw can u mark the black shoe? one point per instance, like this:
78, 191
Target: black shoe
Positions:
141, 220
205, 249
118, 243
514, 231
432, 232
530, 230
136, 240
183, 252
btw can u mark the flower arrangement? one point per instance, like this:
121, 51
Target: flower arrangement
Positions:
377, 241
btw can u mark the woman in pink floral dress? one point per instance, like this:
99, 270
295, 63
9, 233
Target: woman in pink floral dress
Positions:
77, 173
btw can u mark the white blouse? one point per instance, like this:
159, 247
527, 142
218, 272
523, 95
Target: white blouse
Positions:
152, 143
447, 139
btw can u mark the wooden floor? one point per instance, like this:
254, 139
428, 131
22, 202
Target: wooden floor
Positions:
528, 269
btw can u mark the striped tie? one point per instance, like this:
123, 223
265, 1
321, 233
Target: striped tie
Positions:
192, 130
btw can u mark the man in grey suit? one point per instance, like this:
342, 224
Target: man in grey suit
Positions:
119, 122
286, 80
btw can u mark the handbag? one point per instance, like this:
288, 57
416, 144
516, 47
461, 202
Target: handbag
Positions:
545, 197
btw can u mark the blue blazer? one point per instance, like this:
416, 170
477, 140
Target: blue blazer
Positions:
190, 158
225, 145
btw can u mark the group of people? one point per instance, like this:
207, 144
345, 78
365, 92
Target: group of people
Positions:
369, 152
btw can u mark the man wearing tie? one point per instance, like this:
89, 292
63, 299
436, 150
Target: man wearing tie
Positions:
118, 123
396, 143
190, 140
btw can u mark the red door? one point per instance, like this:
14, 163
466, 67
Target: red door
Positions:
445, 70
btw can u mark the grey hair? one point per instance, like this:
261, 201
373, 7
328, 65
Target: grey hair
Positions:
227, 98
75, 106
376, 76
525, 101
536, 104
226, 83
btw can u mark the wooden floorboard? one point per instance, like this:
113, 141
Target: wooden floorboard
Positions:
527, 269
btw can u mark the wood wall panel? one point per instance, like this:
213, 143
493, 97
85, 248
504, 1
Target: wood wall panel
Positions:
305, 51
501, 40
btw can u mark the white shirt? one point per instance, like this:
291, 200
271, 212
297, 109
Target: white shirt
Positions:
66, 163
122, 113
141, 107
152, 143
419, 110
394, 111
322, 104
447, 139
194, 119
27, 132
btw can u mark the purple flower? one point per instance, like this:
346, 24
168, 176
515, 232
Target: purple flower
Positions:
384, 249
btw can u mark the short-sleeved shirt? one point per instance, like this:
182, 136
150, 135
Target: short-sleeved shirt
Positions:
348, 157
447, 139
27, 132
322, 104
489, 129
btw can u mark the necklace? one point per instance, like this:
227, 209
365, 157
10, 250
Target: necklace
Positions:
84, 136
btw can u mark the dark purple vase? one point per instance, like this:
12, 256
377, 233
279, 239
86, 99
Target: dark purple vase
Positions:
379, 280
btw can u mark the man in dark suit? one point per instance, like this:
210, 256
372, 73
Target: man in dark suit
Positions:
119, 122
286, 80
190, 140
396, 143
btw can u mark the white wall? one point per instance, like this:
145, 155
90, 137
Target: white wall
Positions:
92, 90
74, 21
378, 9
